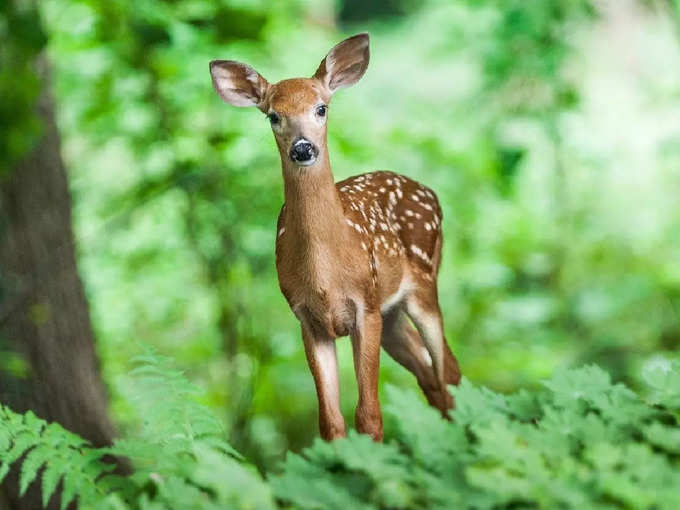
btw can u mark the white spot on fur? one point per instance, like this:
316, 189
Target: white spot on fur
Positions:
420, 253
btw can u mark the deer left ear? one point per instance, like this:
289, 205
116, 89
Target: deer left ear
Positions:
345, 64
238, 84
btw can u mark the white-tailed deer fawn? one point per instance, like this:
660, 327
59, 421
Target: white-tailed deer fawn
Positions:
357, 258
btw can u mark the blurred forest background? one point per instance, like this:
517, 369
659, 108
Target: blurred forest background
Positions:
549, 128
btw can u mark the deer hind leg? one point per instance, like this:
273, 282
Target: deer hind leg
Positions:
422, 308
403, 343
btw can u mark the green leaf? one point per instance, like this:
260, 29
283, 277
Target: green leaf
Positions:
582, 384
22, 442
72, 482
31, 464
662, 376
524, 405
50, 478
663, 436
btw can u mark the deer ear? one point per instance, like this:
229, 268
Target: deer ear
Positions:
237, 83
345, 64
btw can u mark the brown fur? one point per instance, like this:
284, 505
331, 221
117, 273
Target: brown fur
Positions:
359, 257
293, 96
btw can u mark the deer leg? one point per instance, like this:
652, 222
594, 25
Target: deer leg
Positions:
323, 363
366, 350
423, 309
403, 343
451, 367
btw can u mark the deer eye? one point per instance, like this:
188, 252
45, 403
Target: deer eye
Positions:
274, 118
321, 110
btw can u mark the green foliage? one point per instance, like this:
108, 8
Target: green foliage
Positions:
21, 41
556, 167
547, 132
63, 455
581, 442
534, 35
180, 457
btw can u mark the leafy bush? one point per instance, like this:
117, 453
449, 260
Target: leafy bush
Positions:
556, 167
180, 457
582, 441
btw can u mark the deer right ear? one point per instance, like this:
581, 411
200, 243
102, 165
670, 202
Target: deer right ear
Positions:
345, 64
237, 83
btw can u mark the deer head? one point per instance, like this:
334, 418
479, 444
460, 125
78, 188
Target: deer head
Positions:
297, 108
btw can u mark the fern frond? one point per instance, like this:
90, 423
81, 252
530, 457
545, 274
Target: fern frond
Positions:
50, 479
64, 456
180, 454
35, 459
172, 416
582, 441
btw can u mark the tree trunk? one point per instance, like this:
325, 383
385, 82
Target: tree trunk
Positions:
44, 316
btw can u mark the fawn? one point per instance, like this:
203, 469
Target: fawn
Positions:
358, 257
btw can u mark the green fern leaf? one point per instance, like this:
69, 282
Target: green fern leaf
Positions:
50, 478
4, 469
662, 376
22, 443
121, 486
31, 464
34, 424
72, 482
5, 436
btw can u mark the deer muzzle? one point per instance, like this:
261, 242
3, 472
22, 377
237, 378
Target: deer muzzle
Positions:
303, 152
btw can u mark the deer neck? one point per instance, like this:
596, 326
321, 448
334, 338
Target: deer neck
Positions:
313, 214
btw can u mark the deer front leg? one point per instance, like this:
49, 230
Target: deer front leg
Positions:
366, 349
323, 363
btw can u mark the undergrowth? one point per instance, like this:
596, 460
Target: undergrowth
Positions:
581, 442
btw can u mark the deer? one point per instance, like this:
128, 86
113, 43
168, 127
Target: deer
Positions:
356, 258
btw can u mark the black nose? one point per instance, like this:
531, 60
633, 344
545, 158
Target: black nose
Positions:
302, 151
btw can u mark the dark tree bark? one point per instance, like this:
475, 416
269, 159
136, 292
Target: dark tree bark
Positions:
44, 315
